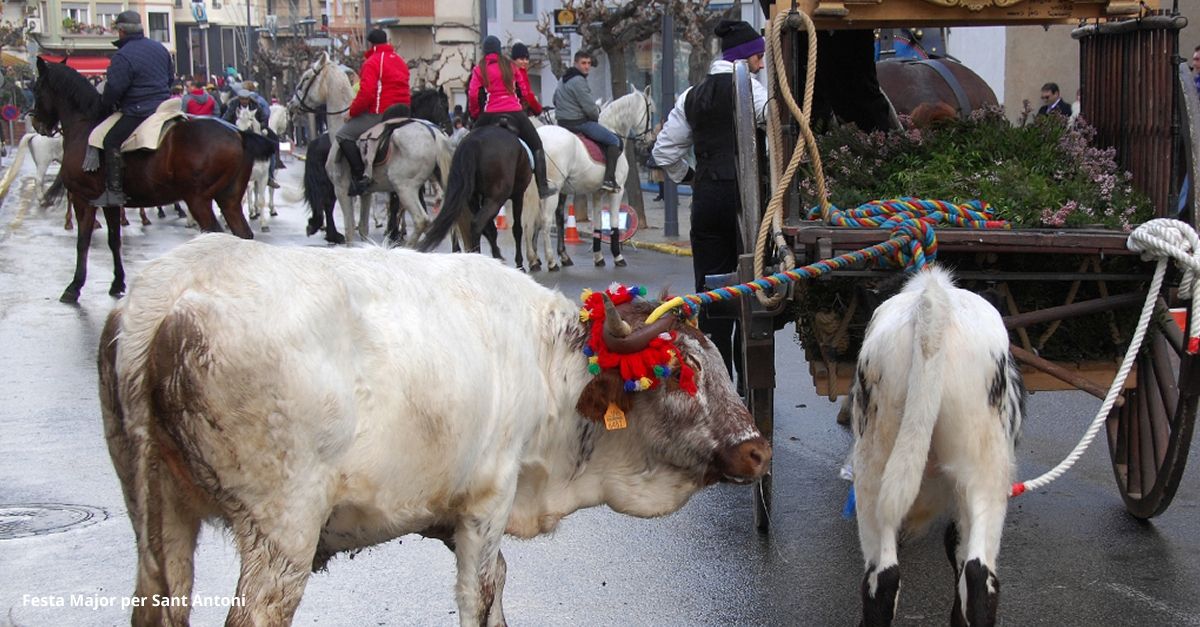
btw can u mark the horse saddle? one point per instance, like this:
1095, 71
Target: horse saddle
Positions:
594, 150
147, 135
376, 143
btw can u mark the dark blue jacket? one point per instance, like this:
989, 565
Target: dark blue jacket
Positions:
139, 76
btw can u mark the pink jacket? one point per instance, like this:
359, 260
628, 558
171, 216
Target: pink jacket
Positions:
499, 98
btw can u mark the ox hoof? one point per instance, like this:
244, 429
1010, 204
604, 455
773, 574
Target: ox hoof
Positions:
620, 262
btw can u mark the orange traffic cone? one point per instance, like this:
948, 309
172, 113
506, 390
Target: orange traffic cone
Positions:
572, 234
501, 220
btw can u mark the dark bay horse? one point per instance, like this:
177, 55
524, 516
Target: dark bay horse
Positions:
431, 105
910, 83
489, 167
197, 161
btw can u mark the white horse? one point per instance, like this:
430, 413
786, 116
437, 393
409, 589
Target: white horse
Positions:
257, 190
44, 150
419, 150
278, 120
571, 169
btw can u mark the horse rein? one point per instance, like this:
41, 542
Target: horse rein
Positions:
303, 98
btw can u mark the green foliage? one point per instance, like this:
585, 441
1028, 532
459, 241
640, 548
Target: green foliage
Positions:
1041, 174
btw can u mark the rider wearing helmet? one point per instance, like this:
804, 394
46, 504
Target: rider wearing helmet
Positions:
137, 81
492, 96
384, 84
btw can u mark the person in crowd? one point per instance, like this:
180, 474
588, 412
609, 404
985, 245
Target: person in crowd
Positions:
198, 102
577, 111
520, 59
492, 96
137, 81
702, 119
1052, 102
384, 83
247, 99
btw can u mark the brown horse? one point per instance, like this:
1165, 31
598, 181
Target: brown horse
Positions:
197, 162
489, 167
909, 83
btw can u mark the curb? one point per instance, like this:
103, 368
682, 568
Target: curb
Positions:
679, 251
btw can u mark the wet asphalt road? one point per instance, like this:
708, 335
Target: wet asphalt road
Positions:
1070, 554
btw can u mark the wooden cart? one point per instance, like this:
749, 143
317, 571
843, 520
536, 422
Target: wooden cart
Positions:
1148, 113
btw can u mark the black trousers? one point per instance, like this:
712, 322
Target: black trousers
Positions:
121, 131
516, 120
715, 248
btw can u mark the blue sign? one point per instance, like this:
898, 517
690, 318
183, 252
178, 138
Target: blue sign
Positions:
10, 112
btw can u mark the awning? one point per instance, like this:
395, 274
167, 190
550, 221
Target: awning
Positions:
88, 66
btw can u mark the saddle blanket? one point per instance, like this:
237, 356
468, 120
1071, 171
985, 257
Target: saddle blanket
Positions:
147, 135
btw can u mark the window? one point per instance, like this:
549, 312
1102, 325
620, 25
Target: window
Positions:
106, 14
159, 26
524, 10
73, 15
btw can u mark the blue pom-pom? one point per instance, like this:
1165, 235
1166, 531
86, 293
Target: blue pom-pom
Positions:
631, 386
588, 352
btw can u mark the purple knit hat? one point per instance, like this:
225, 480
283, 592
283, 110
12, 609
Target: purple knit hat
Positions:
739, 40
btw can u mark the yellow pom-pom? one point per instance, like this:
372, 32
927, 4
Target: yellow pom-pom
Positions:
584, 315
644, 383
586, 294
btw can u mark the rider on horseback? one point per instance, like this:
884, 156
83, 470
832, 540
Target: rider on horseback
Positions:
138, 80
247, 98
491, 97
577, 112
384, 84
520, 58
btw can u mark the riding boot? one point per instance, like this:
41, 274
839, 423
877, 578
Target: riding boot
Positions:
539, 174
359, 182
114, 194
611, 154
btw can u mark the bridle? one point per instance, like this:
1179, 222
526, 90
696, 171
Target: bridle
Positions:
640, 138
302, 99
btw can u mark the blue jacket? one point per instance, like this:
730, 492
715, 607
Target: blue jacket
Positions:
139, 76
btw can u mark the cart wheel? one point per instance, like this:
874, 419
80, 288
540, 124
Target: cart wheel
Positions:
1149, 437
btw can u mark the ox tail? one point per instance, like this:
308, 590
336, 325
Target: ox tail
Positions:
15, 168
906, 465
460, 190
258, 147
318, 188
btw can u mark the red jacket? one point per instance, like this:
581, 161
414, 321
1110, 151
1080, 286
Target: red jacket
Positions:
199, 102
384, 82
531, 102
499, 98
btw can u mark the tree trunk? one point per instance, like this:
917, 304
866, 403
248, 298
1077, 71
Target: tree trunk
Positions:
617, 72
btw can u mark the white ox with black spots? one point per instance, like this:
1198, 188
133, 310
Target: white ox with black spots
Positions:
936, 407
436, 394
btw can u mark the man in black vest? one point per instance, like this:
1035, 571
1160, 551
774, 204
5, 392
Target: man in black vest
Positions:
703, 119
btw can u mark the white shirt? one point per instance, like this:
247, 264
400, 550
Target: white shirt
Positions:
673, 146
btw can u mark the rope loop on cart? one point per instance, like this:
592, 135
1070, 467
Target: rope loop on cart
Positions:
1162, 239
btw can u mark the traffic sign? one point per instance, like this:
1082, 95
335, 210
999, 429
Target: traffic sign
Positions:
565, 21
10, 112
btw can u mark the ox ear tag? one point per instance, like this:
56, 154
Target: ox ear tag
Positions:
614, 418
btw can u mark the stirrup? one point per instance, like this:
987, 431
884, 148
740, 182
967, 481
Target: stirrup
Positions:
360, 186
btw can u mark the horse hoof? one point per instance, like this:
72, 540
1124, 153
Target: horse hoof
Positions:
116, 291
567, 262
336, 239
274, 214
620, 263
535, 267
146, 222
124, 221
266, 229
254, 216
69, 297
599, 263
161, 213
554, 269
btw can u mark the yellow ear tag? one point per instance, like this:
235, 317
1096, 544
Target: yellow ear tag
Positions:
614, 418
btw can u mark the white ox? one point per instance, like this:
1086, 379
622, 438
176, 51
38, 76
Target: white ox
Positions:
937, 404
400, 393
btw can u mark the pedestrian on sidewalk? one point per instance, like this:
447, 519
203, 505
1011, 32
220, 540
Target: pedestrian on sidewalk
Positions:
703, 118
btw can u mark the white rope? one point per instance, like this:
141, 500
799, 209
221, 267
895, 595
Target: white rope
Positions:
1160, 239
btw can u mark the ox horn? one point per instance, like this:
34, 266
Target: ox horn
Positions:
619, 336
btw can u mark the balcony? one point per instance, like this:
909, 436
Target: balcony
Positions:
418, 12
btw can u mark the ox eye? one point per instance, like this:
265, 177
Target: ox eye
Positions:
692, 363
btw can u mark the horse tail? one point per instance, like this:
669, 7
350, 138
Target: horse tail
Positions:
54, 192
257, 147
18, 159
318, 189
460, 189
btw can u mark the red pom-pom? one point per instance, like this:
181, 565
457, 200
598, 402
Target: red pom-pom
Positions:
1017, 490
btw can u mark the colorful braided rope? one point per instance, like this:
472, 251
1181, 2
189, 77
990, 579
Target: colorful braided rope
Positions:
912, 243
